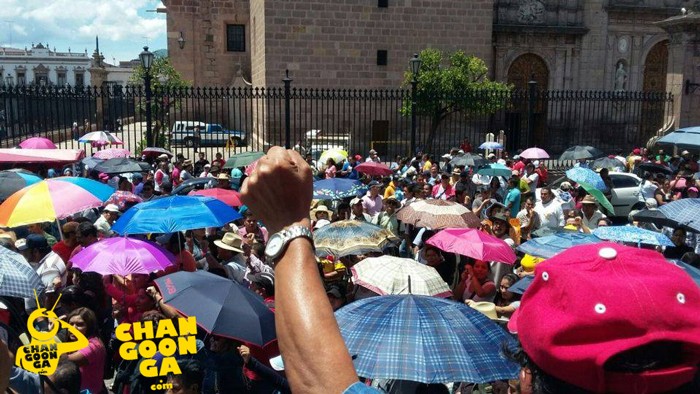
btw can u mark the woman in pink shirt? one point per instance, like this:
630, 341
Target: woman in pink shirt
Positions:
330, 168
91, 359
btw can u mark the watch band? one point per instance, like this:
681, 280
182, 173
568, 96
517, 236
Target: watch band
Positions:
288, 235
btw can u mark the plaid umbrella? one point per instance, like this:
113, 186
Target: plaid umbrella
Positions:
632, 234
685, 211
438, 214
586, 175
395, 275
473, 243
338, 188
424, 339
112, 153
352, 237
654, 216
17, 278
534, 154
578, 152
468, 160
374, 169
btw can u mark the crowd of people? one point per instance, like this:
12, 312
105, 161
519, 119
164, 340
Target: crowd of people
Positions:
304, 290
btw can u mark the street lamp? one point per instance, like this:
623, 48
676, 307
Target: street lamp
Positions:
146, 58
415, 69
181, 41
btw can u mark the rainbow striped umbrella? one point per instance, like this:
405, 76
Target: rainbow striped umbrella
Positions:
52, 199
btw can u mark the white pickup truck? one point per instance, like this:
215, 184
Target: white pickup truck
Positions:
210, 134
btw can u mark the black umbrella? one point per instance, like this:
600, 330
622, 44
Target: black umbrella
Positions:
12, 181
654, 168
654, 216
609, 163
467, 159
121, 165
578, 152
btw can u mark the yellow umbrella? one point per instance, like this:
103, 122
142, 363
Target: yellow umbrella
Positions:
338, 155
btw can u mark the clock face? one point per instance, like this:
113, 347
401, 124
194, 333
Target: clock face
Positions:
623, 45
274, 245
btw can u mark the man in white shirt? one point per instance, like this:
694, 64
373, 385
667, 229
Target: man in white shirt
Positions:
647, 188
373, 156
549, 210
106, 220
590, 214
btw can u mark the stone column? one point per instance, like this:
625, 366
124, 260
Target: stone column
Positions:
98, 78
683, 65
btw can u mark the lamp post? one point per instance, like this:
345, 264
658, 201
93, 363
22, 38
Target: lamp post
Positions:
181, 41
146, 58
415, 69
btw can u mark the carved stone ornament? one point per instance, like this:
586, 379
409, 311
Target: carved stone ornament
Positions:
623, 44
531, 11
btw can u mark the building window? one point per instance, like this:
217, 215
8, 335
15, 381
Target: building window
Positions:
61, 78
21, 78
235, 38
382, 57
79, 79
383, 4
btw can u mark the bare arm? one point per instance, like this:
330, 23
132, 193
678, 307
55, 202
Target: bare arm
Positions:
302, 310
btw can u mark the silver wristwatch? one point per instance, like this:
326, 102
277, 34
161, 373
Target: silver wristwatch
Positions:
278, 242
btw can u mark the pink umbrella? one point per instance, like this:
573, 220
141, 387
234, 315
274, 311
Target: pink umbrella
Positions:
122, 198
534, 154
374, 169
112, 153
473, 243
229, 197
123, 256
250, 168
37, 143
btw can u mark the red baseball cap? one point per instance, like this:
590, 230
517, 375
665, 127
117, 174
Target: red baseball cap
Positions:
595, 301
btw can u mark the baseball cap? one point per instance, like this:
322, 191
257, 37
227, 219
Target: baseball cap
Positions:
373, 184
491, 156
112, 208
355, 201
33, 241
593, 302
636, 151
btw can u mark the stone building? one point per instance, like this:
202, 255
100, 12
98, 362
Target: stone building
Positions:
41, 66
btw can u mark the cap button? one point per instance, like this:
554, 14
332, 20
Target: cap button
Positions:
607, 253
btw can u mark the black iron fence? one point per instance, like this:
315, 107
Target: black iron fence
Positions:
238, 119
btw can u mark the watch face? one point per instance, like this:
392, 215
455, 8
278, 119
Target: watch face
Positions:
273, 245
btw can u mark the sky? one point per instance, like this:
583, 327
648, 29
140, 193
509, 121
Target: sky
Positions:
123, 26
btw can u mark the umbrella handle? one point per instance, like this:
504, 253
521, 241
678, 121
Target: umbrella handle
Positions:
409, 284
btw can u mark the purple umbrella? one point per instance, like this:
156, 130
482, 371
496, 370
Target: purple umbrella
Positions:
123, 256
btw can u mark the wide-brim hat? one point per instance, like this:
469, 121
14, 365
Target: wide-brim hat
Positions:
223, 177
230, 241
589, 199
186, 163
488, 309
320, 208
163, 157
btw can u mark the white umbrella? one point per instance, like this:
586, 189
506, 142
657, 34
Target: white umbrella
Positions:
104, 137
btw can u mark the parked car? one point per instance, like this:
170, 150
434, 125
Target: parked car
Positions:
625, 192
210, 134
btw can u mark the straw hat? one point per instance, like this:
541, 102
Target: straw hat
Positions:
320, 208
230, 241
488, 309
223, 177
589, 199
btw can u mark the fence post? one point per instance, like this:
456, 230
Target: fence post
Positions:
531, 101
287, 111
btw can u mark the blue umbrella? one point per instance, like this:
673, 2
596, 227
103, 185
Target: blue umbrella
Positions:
491, 145
520, 286
338, 188
686, 212
689, 269
586, 175
424, 339
632, 234
222, 306
685, 138
17, 278
175, 213
495, 169
551, 245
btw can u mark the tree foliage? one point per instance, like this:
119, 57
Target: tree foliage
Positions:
453, 83
164, 79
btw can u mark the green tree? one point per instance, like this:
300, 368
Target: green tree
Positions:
453, 84
164, 80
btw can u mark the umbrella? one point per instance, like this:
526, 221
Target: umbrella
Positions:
685, 138
250, 168
230, 197
175, 213
654, 216
112, 153
438, 214
91, 162
395, 275
586, 175
243, 159
52, 199
534, 154
155, 152
473, 243
632, 234
352, 237
520, 286
495, 169
122, 256
424, 339
121, 165
491, 145
653, 168
578, 152
37, 143
689, 269
338, 188
338, 155
685, 211
103, 137
122, 198
468, 160
551, 245
11, 181
598, 195
222, 306
374, 169
610, 163
17, 277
